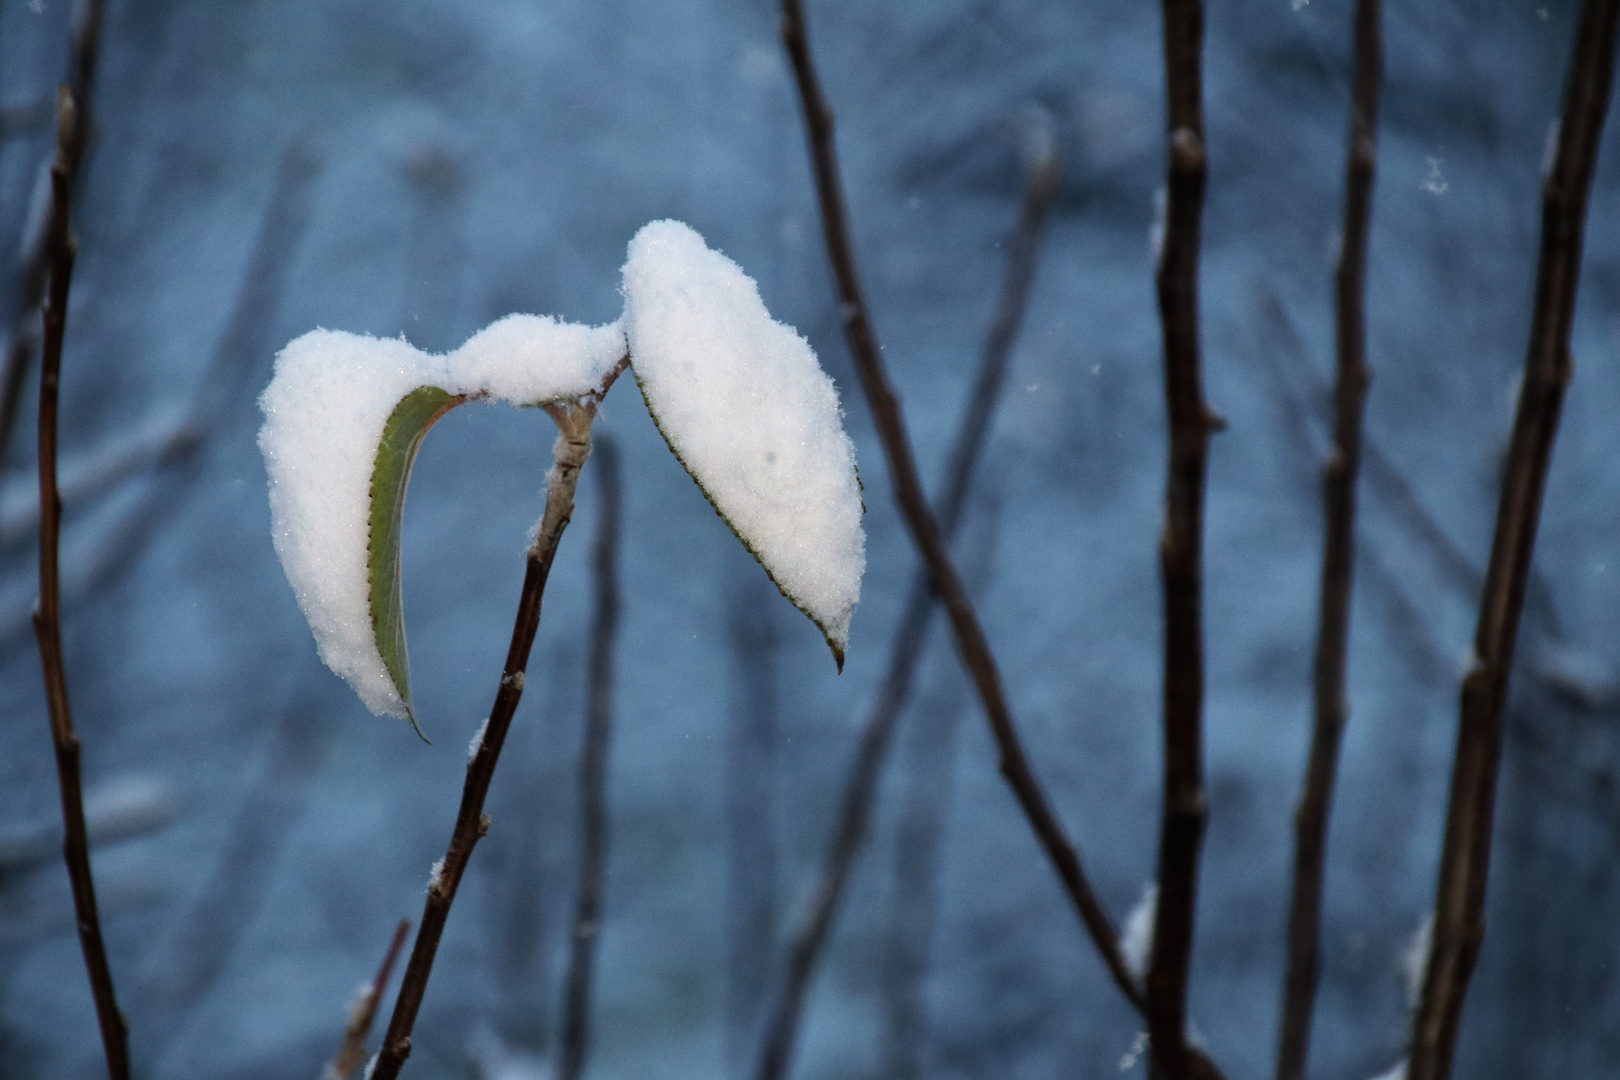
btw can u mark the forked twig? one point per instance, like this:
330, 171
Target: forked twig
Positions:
84, 49
364, 1011
48, 615
1459, 918
974, 648
1338, 557
572, 448
865, 770
593, 759
1181, 543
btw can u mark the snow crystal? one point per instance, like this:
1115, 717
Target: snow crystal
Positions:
436, 877
1415, 959
477, 743
748, 410
1137, 942
1396, 1071
325, 410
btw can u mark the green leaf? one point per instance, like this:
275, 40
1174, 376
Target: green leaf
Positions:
401, 439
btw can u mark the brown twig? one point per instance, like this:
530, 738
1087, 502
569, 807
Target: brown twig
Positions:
593, 772
48, 615
1459, 920
572, 448
866, 768
1338, 556
83, 51
972, 645
364, 1011
1181, 543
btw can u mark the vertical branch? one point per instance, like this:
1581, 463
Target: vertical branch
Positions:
1181, 543
1459, 919
1338, 555
353, 1051
572, 448
48, 615
865, 770
84, 49
972, 644
593, 771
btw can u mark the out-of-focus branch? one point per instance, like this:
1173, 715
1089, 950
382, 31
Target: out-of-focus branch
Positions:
593, 760
173, 451
84, 50
48, 615
1181, 543
866, 768
353, 1051
1338, 556
572, 448
1459, 919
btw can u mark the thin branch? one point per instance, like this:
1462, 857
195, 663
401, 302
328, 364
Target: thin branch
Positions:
919, 831
84, 49
908, 493
1459, 922
1181, 543
593, 761
572, 448
48, 615
1338, 556
353, 1051
866, 768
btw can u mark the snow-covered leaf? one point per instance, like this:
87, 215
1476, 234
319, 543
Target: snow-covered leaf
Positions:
344, 417
745, 406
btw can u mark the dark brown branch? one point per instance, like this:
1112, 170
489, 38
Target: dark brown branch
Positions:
48, 615
1459, 919
83, 51
1181, 543
572, 448
1338, 556
593, 760
972, 645
866, 768
353, 1051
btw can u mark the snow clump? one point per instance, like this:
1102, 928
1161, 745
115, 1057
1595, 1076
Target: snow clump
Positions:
324, 414
746, 407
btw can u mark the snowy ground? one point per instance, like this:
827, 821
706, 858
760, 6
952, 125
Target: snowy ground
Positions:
420, 168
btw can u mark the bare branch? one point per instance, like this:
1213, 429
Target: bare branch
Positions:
972, 644
593, 761
1338, 556
48, 615
866, 768
1459, 922
1181, 543
84, 49
353, 1051
572, 448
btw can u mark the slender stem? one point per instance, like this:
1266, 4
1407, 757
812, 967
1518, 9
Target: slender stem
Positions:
1181, 543
353, 1051
48, 615
83, 51
908, 493
593, 772
1338, 555
1459, 918
905, 650
572, 448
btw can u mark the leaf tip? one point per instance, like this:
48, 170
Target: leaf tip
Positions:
410, 714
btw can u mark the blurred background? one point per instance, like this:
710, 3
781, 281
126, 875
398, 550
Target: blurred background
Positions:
261, 169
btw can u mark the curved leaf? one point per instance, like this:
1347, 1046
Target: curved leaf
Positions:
396, 453
745, 407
